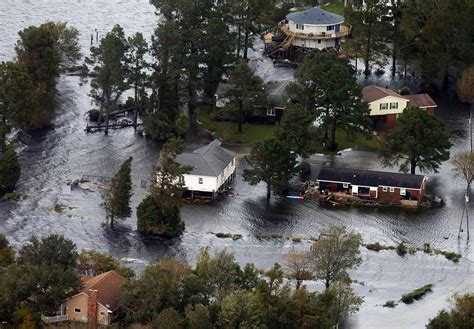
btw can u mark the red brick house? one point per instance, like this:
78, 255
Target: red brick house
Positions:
386, 105
377, 186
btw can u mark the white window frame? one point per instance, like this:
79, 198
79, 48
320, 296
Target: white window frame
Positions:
271, 112
392, 189
102, 313
384, 188
403, 191
345, 185
330, 28
384, 106
77, 310
300, 26
200, 180
394, 105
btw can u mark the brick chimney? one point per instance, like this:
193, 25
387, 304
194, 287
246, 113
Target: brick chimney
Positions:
92, 309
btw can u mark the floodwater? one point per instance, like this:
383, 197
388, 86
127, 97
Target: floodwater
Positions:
51, 158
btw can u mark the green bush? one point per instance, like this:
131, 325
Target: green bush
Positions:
375, 246
10, 170
452, 256
416, 294
402, 249
156, 220
159, 127
390, 304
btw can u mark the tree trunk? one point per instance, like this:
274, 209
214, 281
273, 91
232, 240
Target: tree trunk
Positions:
269, 192
332, 145
395, 36
135, 112
412, 166
246, 42
239, 40
107, 110
241, 116
367, 55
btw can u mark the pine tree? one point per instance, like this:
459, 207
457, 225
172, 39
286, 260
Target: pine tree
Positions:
116, 199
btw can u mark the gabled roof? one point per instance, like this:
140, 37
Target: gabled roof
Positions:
420, 100
370, 178
108, 286
276, 93
209, 160
315, 16
373, 93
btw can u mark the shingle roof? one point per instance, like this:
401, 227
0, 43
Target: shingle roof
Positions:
420, 100
370, 178
209, 160
315, 16
108, 286
373, 93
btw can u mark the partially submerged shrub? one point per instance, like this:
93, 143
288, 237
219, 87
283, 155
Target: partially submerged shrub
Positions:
416, 294
390, 304
375, 246
401, 249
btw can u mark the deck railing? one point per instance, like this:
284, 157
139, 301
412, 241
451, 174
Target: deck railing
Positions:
316, 36
52, 319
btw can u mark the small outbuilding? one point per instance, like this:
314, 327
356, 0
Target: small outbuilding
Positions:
374, 186
213, 170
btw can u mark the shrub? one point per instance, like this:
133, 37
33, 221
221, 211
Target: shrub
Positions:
401, 249
390, 304
452, 256
427, 248
10, 170
375, 246
416, 294
157, 220
268, 236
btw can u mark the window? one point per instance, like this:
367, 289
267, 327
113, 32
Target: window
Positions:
345, 185
383, 106
403, 191
200, 180
319, 41
77, 310
181, 179
232, 162
299, 26
271, 112
102, 313
394, 106
330, 28
392, 189
384, 189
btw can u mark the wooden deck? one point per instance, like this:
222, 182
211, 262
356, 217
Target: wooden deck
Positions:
344, 32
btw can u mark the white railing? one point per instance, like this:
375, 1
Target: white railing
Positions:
51, 319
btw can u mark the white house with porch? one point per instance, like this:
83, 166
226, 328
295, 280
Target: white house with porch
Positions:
213, 170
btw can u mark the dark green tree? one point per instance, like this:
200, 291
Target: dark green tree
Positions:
137, 75
296, 130
49, 272
43, 53
10, 169
272, 162
418, 140
159, 213
7, 253
461, 316
245, 92
92, 263
369, 32
109, 71
116, 199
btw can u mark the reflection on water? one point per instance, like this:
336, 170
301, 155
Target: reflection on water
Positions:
66, 152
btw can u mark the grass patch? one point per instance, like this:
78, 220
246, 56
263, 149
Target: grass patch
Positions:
296, 239
335, 7
452, 256
221, 235
390, 304
14, 196
227, 131
416, 294
265, 236
376, 246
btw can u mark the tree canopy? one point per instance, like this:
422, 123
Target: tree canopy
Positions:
418, 140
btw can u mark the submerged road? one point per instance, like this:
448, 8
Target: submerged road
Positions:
51, 158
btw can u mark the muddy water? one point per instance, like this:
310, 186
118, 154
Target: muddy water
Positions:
51, 158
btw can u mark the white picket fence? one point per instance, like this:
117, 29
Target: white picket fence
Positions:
52, 319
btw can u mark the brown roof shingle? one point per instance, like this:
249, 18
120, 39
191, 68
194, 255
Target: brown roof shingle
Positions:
108, 286
420, 100
372, 93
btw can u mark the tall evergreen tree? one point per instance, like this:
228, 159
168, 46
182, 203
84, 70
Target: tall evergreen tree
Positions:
116, 199
425, 142
109, 69
137, 65
369, 32
272, 162
245, 92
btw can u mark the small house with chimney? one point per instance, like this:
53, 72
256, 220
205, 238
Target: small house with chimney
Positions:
369, 186
386, 105
96, 303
